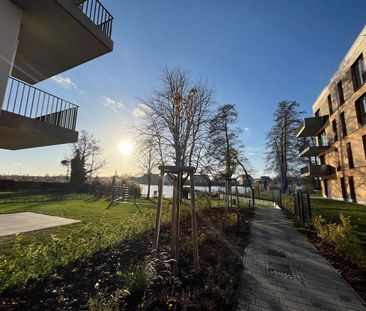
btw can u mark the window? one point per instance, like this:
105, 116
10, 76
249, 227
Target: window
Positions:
330, 106
317, 113
343, 125
343, 188
358, 73
322, 139
340, 92
352, 188
338, 162
349, 155
361, 109
364, 144
335, 134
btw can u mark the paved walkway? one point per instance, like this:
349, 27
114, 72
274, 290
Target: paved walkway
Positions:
284, 271
23, 222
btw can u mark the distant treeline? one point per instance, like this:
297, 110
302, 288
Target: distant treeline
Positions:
21, 185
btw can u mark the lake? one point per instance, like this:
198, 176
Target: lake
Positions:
168, 190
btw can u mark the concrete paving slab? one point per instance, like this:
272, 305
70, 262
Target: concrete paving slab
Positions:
14, 223
284, 271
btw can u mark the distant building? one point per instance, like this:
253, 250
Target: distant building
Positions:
154, 179
339, 129
38, 40
243, 181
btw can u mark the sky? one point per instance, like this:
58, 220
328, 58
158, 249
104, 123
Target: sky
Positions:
254, 53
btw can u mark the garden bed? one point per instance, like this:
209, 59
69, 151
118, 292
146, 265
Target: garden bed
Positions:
353, 272
116, 278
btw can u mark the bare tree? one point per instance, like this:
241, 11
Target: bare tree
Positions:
88, 150
282, 144
176, 118
226, 151
246, 167
66, 163
147, 159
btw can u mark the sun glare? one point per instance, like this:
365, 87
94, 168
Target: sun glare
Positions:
125, 147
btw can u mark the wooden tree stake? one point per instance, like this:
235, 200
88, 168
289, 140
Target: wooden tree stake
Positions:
194, 224
158, 212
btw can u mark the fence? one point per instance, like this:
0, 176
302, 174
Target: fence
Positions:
302, 207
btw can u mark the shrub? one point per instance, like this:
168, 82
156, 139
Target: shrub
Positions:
288, 203
340, 235
203, 202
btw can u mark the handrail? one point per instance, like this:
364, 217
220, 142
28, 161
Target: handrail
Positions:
97, 13
26, 100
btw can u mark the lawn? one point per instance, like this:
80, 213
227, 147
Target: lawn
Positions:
35, 254
106, 260
331, 209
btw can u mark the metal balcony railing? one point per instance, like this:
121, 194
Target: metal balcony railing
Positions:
97, 13
26, 100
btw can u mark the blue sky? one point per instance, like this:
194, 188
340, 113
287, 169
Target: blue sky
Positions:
255, 53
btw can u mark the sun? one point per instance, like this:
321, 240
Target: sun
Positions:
125, 147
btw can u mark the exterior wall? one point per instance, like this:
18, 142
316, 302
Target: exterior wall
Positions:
354, 130
10, 21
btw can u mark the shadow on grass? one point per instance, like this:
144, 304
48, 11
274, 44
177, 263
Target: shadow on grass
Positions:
71, 286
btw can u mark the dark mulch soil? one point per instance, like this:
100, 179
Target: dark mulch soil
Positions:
71, 287
353, 273
214, 288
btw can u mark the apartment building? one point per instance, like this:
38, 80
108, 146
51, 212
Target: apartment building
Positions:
40, 39
338, 128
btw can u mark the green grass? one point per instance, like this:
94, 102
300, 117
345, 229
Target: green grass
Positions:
331, 209
36, 254
261, 196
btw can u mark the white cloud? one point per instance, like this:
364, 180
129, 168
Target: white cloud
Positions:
111, 103
18, 164
254, 151
246, 129
65, 82
140, 110
137, 112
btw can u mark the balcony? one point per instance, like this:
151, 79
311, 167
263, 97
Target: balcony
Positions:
312, 126
321, 170
57, 35
34, 118
312, 151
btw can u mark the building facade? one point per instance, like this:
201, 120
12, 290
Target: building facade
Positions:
38, 40
337, 131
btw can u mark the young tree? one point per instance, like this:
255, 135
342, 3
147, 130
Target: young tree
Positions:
281, 142
225, 152
224, 142
176, 118
147, 159
66, 163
